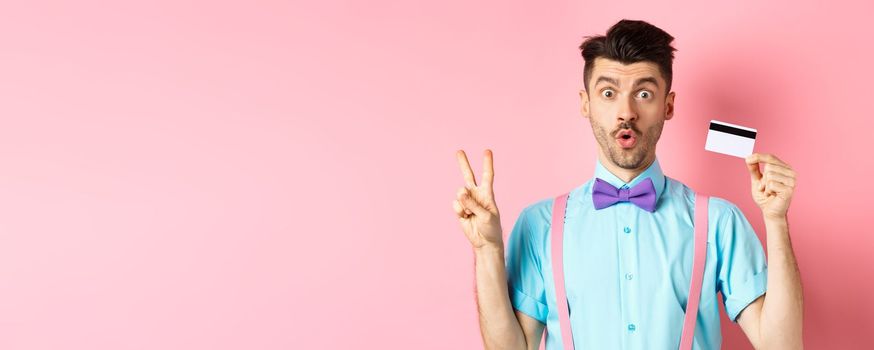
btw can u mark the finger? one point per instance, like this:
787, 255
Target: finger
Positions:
752, 158
770, 169
471, 204
786, 180
462, 192
765, 158
459, 209
755, 173
780, 189
466, 171
488, 169
778, 169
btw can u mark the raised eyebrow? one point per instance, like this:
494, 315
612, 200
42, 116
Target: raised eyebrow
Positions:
610, 80
615, 81
642, 81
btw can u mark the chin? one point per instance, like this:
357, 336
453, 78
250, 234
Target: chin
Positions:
628, 159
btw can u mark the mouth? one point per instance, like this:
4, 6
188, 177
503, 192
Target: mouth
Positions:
626, 138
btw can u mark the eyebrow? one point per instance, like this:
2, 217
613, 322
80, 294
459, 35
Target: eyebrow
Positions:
615, 81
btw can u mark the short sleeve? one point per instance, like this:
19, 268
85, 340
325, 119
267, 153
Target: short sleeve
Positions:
742, 270
524, 277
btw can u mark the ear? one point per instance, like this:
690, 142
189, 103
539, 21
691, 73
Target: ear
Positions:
584, 103
669, 104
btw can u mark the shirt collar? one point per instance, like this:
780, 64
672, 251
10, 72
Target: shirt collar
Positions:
654, 171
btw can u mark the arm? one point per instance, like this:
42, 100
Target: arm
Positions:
478, 215
532, 328
774, 320
499, 326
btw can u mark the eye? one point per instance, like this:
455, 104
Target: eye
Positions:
645, 94
607, 93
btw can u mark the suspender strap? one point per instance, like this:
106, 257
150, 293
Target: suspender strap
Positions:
558, 211
700, 239
697, 270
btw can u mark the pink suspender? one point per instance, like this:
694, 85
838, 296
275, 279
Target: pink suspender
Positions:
697, 270
558, 213
564, 321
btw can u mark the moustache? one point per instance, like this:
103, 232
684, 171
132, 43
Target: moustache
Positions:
625, 126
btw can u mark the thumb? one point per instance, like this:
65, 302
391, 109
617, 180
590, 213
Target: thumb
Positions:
472, 204
753, 168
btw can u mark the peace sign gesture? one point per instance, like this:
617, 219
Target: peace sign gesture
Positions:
475, 205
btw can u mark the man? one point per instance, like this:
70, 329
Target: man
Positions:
627, 268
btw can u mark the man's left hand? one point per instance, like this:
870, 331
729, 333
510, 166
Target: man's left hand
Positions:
772, 186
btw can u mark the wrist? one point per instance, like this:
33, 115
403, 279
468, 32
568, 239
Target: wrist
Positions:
489, 249
776, 220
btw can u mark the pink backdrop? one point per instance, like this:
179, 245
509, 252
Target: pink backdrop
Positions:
274, 175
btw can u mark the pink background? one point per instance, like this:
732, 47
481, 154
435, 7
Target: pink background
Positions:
274, 175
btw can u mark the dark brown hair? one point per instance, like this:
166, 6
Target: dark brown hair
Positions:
630, 41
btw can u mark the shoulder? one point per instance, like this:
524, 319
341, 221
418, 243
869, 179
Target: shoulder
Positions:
721, 209
539, 213
724, 218
537, 216
727, 225
718, 208
727, 221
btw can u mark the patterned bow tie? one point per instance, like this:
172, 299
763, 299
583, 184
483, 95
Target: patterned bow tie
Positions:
643, 195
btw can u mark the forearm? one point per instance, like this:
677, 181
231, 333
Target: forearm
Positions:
782, 308
499, 326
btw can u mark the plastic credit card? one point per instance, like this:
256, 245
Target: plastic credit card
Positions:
730, 139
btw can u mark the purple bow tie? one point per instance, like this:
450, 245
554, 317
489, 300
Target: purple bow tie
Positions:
643, 195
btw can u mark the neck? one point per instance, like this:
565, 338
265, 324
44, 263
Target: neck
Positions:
625, 174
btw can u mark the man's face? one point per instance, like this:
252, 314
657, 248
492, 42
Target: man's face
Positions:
627, 99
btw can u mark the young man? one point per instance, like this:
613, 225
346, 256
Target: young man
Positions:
627, 264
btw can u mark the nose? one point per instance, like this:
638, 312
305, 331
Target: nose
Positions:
627, 111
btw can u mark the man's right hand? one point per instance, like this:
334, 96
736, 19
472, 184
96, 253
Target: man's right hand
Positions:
475, 205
